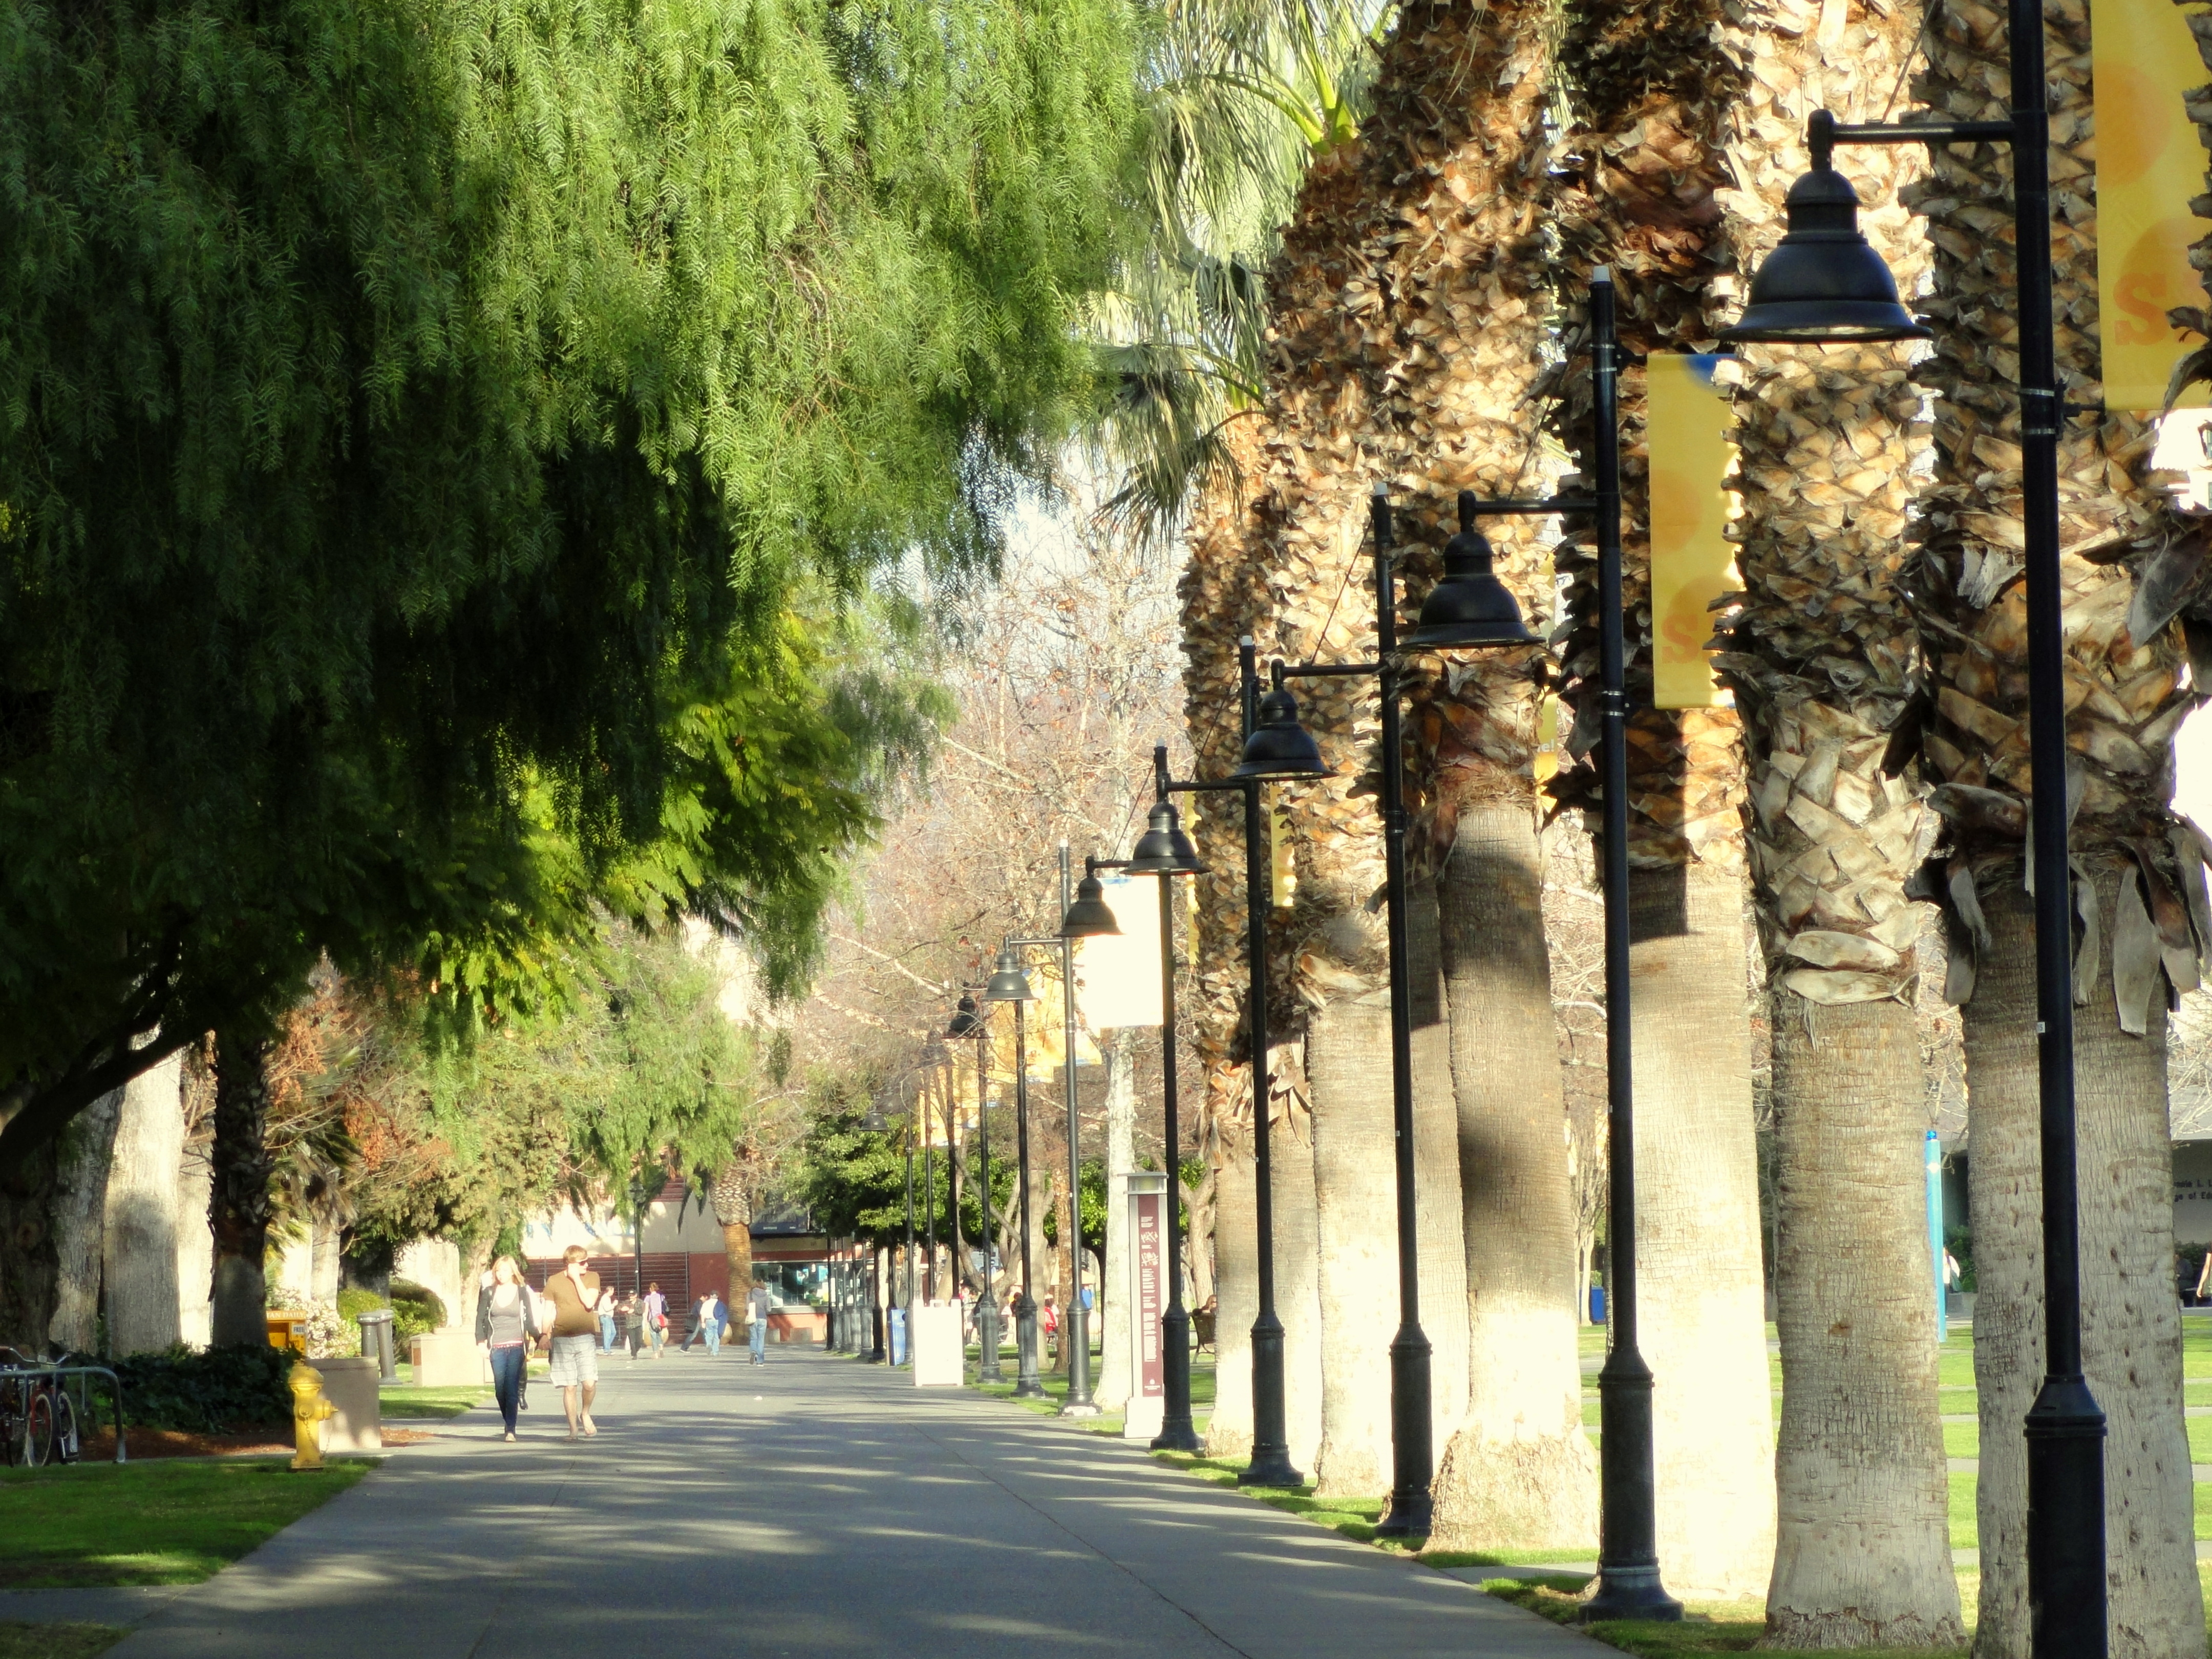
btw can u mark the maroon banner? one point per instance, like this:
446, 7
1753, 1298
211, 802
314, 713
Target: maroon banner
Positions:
1151, 1254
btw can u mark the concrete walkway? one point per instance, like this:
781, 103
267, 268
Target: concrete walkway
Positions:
814, 1506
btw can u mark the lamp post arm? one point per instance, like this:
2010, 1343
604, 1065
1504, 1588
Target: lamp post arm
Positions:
1315, 671
1530, 506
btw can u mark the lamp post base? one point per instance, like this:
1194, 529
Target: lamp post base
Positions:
1177, 1432
1412, 1458
1028, 1385
1079, 1402
1630, 1590
2066, 1587
988, 1369
1271, 1464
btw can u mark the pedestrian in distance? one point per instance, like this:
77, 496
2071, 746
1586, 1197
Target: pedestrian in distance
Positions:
574, 1294
1048, 1323
606, 1311
628, 1316
758, 1303
656, 1317
709, 1326
507, 1327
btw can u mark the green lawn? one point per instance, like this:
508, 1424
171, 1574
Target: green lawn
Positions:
1055, 1388
401, 1401
150, 1523
57, 1641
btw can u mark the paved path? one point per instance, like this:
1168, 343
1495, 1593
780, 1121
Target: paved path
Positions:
820, 1509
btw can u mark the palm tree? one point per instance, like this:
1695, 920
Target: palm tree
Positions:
1439, 322
2134, 897
1821, 657
1642, 182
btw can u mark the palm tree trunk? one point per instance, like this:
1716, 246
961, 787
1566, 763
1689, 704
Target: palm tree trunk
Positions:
29, 1269
1697, 1233
1863, 1551
1644, 179
1437, 1190
2131, 1324
1519, 1473
1347, 1060
1237, 1283
1297, 1256
140, 1268
240, 1210
2123, 701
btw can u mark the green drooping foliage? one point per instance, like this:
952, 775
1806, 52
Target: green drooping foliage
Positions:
637, 1074
852, 1178
436, 438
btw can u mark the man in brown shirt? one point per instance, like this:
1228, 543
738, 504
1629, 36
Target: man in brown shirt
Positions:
575, 1295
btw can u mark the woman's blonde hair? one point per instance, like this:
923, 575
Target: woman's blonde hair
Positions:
508, 1261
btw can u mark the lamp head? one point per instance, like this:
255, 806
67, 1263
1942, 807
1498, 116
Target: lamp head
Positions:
1824, 283
1279, 747
1164, 849
1008, 982
966, 1022
1470, 607
1089, 916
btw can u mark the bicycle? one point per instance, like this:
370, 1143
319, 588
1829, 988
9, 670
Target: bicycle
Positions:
38, 1420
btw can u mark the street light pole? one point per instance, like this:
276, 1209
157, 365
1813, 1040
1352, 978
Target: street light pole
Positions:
1628, 1578
1796, 297
967, 1022
1008, 983
1079, 1402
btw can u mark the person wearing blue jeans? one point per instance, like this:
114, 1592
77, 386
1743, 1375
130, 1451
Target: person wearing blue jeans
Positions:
756, 1307
709, 1326
506, 1327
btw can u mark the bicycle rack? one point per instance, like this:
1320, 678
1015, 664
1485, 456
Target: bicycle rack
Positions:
83, 1393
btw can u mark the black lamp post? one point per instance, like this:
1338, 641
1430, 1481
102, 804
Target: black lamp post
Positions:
1628, 1582
1079, 1402
1824, 284
1275, 747
1008, 983
1164, 850
1470, 608
913, 1113
969, 1024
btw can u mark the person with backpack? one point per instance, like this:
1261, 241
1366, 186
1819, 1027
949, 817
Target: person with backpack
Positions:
654, 1308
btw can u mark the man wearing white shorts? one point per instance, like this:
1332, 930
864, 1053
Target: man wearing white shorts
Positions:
575, 1295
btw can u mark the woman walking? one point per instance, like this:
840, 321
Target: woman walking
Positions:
506, 1327
656, 1317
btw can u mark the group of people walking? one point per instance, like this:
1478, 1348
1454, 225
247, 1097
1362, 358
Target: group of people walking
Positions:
578, 1319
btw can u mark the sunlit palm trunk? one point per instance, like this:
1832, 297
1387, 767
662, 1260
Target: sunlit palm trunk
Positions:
1348, 1062
1650, 101
2132, 1334
1237, 1283
2124, 701
142, 1221
1822, 649
1519, 1471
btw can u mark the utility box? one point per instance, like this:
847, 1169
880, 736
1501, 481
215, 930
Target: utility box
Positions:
937, 1353
1146, 1301
351, 1387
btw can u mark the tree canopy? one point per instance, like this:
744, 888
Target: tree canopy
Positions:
436, 442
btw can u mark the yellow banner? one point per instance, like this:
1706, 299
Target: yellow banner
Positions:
1692, 564
2149, 165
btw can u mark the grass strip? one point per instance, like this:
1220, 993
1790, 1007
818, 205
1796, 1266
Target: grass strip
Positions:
174, 1523
1717, 1627
57, 1641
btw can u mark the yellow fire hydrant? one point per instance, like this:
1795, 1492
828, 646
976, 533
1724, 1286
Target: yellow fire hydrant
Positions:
309, 1410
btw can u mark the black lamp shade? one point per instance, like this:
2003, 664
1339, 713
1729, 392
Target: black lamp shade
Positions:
1824, 283
1089, 916
1470, 607
1008, 982
966, 1022
1279, 747
1164, 849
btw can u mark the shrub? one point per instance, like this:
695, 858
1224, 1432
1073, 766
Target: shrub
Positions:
355, 1302
221, 1391
328, 1333
416, 1311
